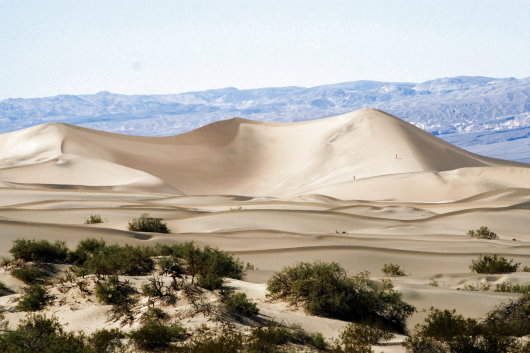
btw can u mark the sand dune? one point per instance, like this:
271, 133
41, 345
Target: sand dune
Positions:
276, 194
236, 156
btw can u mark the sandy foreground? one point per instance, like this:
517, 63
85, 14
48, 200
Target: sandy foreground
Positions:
362, 189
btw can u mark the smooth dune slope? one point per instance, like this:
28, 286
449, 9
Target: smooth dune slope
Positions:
234, 156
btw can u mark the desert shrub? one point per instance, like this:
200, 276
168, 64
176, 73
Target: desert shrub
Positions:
238, 305
37, 333
155, 314
513, 315
84, 250
482, 233
102, 259
475, 287
393, 270
94, 219
207, 265
34, 298
318, 341
267, 339
148, 224
325, 289
493, 264
113, 291
28, 274
365, 334
4, 290
154, 336
513, 288
107, 341
39, 250
227, 341
446, 331
155, 288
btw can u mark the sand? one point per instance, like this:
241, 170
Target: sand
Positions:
362, 189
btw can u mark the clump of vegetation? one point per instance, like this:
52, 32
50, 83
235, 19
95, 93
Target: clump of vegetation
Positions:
325, 289
37, 333
94, 219
512, 314
493, 264
446, 331
34, 298
148, 224
39, 250
4, 290
475, 287
238, 305
113, 291
154, 336
359, 338
28, 274
155, 288
227, 341
107, 341
95, 256
393, 270
207, 265
482, 233
267, 339
513, 288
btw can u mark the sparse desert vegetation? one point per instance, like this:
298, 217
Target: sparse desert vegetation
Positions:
493, 264
94, 219
147, 223
482, 233
326, 289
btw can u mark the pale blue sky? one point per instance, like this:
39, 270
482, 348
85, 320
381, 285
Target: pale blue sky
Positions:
52, 47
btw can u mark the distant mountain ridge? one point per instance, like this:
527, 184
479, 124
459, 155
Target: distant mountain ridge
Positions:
453, 108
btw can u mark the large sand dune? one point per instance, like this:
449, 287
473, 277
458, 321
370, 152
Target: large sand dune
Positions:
363, 189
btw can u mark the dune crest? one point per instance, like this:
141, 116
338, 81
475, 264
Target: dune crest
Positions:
236, 156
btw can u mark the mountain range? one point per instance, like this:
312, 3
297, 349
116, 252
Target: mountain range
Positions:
489, 116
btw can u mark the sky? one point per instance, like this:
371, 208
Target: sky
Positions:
50, 47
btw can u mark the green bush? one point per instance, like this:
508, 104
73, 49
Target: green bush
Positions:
227, 341
4, 290
482, 233
28, 274
107, 341
34, 298
207, 265
94, 256
154, 336
84, 250
39, 250
38, 334
446, 331
356, 338
512, 315
267, 339
325, 289
513, 288
113, 291
156, 314
365, 334
493, 264
318, 341
238, 305
94, 219
393, 270
148, 224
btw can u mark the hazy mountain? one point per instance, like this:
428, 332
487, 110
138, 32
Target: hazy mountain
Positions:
485, 115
